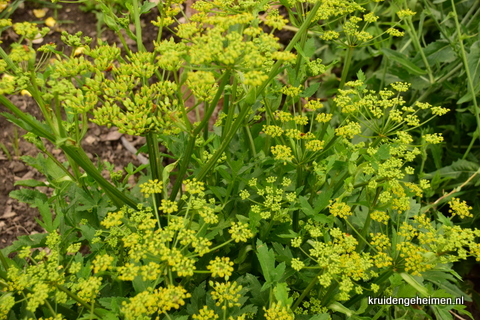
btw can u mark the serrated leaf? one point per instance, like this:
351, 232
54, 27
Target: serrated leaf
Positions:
278, 272
473, 61
106, 315
197, 299
46, 214
454, 170
28, 196
439, 52
361, 75
308, 92
266, 258
444, 220
219, 192
46, 166
383, 153
403, 60
30, 183
281, 294
308, 50
306, 207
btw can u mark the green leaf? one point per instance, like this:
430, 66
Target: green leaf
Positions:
321, 202
306, 207
361, 75
310, 47
33, 240
281, 294
414, 283
308, 92
112, 303
198, 298
454, 170
337, 306
48, 223
439, 52
473, 61
29, 196
242, 255
30, 183
278, 272
403, 60
383, 153
110, 22
145, 8
166, 173
47, 167
106, 315
267, 260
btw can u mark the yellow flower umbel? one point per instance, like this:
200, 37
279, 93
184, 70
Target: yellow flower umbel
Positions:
240, 232
277, 312
281, 152
205, 314
221, 267
340, 209
151, 187
460, 208
226, 294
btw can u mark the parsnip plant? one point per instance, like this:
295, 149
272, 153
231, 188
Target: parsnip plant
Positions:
288, 208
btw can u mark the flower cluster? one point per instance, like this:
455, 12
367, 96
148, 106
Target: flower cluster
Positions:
276, 198
459, 208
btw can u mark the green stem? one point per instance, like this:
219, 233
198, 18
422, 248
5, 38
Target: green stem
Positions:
77, 299
359, 235
366, 225
252, 95
296, 213
183, 167
306, 291
155, 209
418, 47
154, 161
221, 245
471, 87
193, 137
138, 26
346, 66
251, 144
59, 165
124, 43
384, 277
210, 109
3, 260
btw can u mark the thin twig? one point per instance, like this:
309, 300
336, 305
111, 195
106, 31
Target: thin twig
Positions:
456, 315
457, 189
133, 150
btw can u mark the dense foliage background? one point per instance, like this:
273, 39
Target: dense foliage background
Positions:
303, 157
